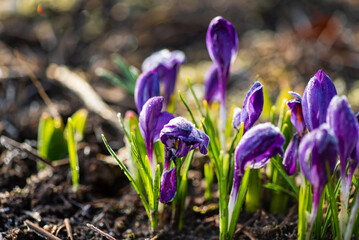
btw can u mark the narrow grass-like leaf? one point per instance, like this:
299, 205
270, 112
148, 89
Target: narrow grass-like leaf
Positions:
208, 176
73, 158
278, 188
128, 175
79, 119
289, 180
188, 109
195, 97
238, 206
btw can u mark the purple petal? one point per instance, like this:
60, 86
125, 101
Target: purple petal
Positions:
318, 149
148, 120
257, 146
296, 117
343, 123
222, 45
316, 98
147, 86
162, 120
222, 42
211, 84
357, 116
252, 106
291, 155
168, 186
236, 120
188, 137
167, 65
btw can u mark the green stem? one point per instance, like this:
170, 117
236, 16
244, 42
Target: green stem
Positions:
253, 196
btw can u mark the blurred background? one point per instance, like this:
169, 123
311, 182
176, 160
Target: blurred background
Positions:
282, 42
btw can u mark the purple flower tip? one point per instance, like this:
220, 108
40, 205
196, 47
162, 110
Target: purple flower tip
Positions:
291, 155
252, 107
151, 122
147, 86
343, 123
168, 186
296, 117
316, 98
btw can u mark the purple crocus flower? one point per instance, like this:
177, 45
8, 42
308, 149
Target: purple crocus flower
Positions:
316, 98
252, 108
322, 146
167, 65
256, 148
222, 45
147, 86
211, 84
179, 137
291, 155
343, 122
296, 116
151, 122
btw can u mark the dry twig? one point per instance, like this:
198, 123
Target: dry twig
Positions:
40, 231
106, 235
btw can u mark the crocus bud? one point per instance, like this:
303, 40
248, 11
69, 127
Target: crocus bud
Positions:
211, 87
252, 108
167, 65
322, 146
255, 149
151, 122
291, 155
296, 116
316, 98
222, 45
343, 123
147, 86
179, 137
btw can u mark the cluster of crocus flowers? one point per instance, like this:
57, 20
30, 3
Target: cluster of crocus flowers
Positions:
179, 137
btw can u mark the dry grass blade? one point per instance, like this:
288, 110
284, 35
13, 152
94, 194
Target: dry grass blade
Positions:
68, 228
10, 143
106, 235
40, 231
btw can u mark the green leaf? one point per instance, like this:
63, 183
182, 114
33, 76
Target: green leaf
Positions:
128, 175
289, 180
79, 119
278, 188
188, 109
73, 158
52, 144
239, 203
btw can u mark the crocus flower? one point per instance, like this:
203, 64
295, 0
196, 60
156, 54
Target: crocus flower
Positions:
179, 137
322, 146
296, 116
316, 98
147, 86
222, 45
255, 149
211, 87
290, 155
167, 65
343, 123
151, 122
252, 108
